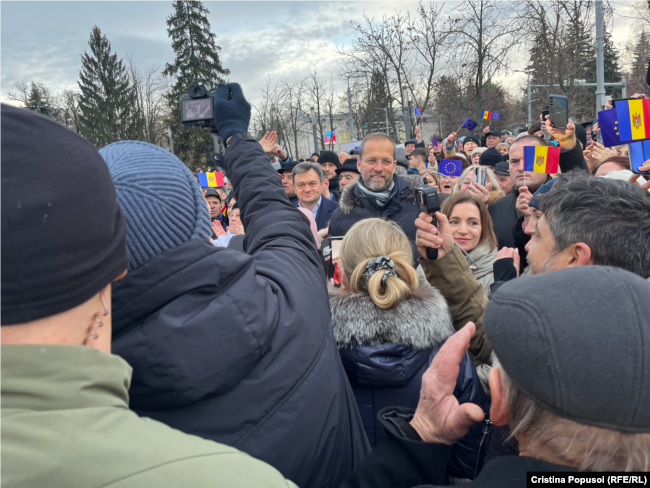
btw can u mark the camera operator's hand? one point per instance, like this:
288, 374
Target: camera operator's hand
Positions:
439, 417
232, 111
440, 238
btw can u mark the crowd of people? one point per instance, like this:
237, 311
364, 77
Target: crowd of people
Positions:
156, 333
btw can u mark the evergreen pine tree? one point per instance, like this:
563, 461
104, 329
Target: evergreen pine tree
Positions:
40, 101
108, 100
637, 81
612, 72
374, 117
196, 63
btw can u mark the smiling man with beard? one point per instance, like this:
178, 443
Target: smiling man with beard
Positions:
378, 192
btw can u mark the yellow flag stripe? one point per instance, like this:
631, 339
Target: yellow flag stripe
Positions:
541, 156
636, 119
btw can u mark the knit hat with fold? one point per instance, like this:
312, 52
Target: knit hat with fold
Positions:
162, 202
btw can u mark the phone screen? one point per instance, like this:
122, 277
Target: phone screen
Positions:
639, 154
558, 111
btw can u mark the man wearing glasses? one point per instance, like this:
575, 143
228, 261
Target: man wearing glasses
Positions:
378, 192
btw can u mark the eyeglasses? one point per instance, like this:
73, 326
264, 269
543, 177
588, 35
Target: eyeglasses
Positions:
384, 162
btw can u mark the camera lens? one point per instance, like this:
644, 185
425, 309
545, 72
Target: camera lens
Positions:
197, 91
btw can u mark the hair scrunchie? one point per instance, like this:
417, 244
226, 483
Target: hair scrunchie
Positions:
382, 262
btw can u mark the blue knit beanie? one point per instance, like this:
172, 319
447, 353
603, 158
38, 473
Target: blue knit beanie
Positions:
162, 202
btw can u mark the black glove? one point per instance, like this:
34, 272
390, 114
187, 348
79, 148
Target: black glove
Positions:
232, 111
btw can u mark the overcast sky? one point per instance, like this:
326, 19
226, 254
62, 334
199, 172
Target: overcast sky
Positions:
44, 41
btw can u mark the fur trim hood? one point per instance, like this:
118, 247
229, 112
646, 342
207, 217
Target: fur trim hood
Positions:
404, 190
421, 322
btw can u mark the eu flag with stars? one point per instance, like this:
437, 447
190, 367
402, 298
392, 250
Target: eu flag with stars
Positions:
608, 122
469, 124
451, 167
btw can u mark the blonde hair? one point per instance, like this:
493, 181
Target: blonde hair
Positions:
369, 239
490, 178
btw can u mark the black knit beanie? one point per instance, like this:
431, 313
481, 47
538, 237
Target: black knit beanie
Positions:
329, 157
63, 233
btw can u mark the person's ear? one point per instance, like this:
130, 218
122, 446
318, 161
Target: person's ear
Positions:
578, 254
499, 414
121, 276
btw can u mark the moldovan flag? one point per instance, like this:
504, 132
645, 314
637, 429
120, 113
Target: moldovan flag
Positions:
633, 119
211, 180
541, 159
486, 115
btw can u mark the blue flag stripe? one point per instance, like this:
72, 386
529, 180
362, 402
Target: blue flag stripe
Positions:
529, 158
624, 127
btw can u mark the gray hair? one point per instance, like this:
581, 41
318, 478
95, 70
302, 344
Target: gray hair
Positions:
570, 443
373, 136
610, 216
306, 166
401, 171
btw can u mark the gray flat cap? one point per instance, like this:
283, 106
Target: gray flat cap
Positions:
577, 341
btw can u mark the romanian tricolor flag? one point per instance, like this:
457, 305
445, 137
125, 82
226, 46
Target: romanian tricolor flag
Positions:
541, 159
633, 119
211, 180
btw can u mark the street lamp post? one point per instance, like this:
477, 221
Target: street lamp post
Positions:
530, 116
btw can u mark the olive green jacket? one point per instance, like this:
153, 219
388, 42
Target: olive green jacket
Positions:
66, 423
452, 275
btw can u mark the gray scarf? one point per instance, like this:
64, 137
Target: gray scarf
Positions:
377, 198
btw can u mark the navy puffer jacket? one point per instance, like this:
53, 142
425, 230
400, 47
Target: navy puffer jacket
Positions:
386, 352
238, 348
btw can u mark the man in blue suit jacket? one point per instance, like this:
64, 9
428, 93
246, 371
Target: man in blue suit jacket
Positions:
308, 181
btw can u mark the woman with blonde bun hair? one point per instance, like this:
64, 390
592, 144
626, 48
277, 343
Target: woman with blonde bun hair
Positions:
388, 326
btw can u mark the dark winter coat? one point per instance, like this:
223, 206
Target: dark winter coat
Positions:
402, 460
334, 188
325, 212
386, 352
401, 208
238, 348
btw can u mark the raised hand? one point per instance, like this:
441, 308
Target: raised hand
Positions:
482, 192
279, 152
268, 141
512, 253
523, 200
218, 228
439, 417
566, 138
428, 235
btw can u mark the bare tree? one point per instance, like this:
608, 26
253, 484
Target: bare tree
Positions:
482, 32
69, 101
150, 87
